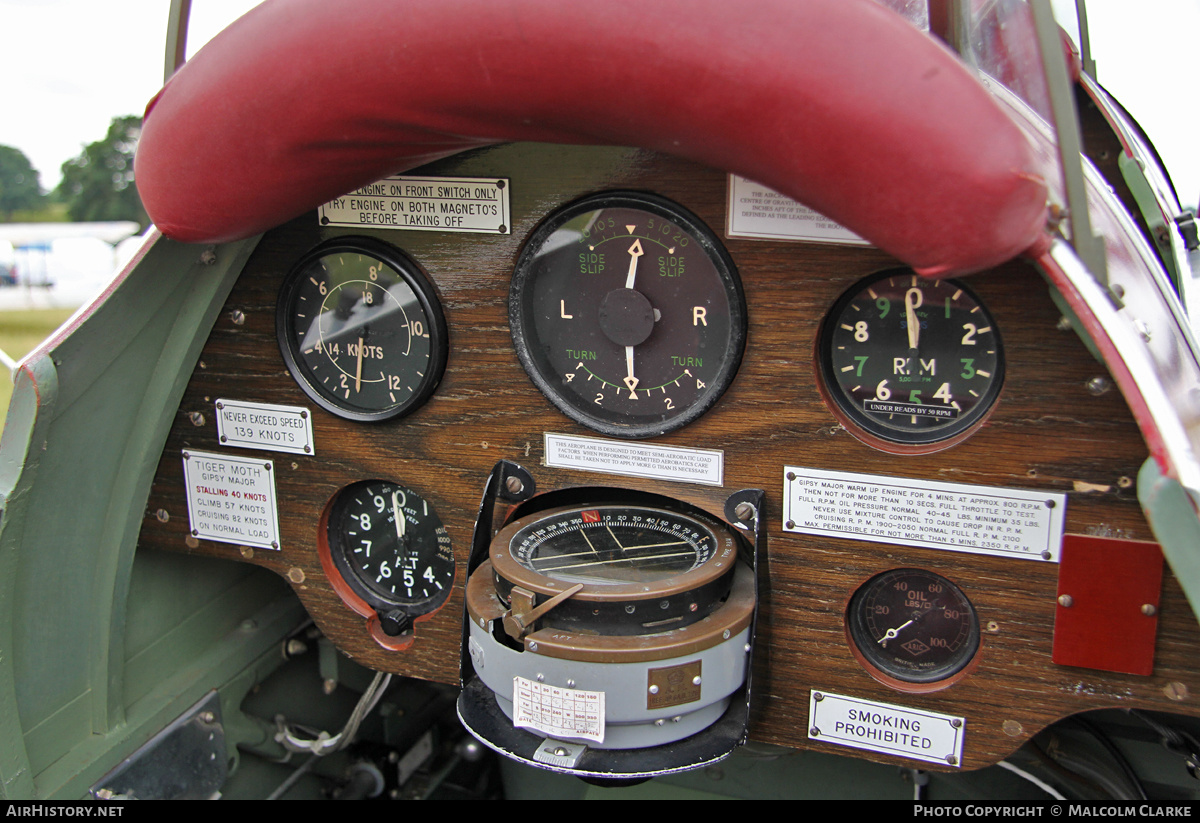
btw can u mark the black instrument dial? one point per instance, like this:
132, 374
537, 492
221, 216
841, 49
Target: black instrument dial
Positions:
627, 314
913, 626
390, 547
361, 329
910, 361
639, 565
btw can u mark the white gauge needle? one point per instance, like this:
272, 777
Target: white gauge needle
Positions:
635, 252
630, 381
911, 305
398, 516
358, 368
891, 633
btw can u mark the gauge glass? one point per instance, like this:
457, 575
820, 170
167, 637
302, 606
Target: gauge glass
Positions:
911, 361
606, 547
361, 329
913, 625
390, 547
628, 314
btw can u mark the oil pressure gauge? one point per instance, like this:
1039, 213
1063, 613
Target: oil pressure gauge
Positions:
912, 628
627, 314
910, 365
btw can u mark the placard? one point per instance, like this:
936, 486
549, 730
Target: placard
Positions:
558, 712
759, 212
478, 205
246, 425
703, 466
950, 516
885, 728
231, 499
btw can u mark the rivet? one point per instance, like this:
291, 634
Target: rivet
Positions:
1063, 324
1124, 482
814, 732
1066, 601
1176, 690
1012, 728
296, 575
191, 542
1149, 610
246, 551
993, 626
791, 524
696, 680
818, 697
951, 759
654, 690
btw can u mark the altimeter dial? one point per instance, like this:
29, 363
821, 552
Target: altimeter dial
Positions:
390, 548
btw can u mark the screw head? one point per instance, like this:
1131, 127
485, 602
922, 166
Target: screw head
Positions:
1066, 601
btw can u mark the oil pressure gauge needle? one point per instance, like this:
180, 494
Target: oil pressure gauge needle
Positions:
891, 633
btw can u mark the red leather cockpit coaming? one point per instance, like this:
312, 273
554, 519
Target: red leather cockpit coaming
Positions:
840, 104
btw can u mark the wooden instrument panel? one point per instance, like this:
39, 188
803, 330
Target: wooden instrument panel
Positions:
1049, 432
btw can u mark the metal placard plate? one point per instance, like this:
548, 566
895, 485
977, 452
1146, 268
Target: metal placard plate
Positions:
245, 425
885, 728
703, 466
231, 499
673, 686
756, 211
949, 516
477, 205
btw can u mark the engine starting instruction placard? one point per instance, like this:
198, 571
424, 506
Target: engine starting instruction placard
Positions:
231, 499
950, 516
477, 205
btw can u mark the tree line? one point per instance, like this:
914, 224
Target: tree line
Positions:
96, 185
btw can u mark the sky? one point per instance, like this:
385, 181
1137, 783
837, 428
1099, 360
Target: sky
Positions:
68, 67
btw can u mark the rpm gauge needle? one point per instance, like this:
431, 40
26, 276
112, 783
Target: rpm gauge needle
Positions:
911, 304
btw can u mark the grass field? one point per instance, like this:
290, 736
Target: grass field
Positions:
20, 332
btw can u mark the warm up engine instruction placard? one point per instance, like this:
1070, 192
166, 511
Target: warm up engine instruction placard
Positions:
950, 516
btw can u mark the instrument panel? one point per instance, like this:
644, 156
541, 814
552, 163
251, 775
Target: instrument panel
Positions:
805, 371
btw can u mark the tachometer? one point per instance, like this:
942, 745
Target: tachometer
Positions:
910, 364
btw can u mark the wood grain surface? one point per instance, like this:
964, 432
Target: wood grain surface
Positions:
1047, 433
